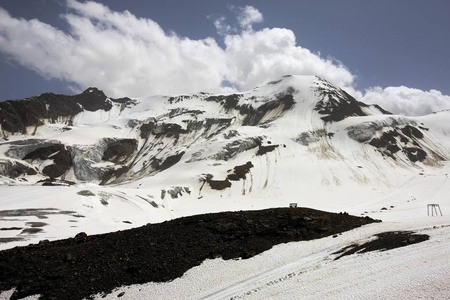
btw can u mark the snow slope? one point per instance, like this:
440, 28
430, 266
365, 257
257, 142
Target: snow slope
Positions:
297, 139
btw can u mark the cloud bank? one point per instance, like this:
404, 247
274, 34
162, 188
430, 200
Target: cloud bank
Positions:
129, 56
407, 101
125, 55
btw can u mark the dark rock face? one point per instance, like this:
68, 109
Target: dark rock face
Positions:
160, 130
383, 111
62, 160
254, 115
119, 151
174, 193
393, 136
383, 242
170, 161
337, 105
266, 149
228, 102
412, 132
415, 154
387, 142
232, 149
219, 184
238, 173
15, 169
79, 267
15, 116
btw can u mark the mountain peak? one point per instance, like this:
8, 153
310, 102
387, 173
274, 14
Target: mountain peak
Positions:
297, 137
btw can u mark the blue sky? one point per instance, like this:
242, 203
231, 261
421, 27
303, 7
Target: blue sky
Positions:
390, 52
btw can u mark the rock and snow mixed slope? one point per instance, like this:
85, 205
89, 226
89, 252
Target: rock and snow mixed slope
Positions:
95, 164
126, 162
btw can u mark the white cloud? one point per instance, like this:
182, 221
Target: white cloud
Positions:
126, 55
222, 27
407, 101
247, 16
129, 56
255, 57
117, 52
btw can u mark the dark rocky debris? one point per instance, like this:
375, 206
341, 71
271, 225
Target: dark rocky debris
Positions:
383, 242
79, 267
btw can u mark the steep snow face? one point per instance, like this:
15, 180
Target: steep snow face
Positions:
296, 139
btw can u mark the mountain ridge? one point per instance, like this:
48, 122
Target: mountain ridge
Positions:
295, 139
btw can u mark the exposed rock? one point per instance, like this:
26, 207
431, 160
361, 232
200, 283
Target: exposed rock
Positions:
396, 135
387, 141
120, 151
307, 138
255, 115
174, 193
184, 111
239, 172
62, 160
415, 154
170, 161
219, 184
337, 105
383, 242
55, 182
230, 134
14, 169
363, 132
412, 132
232, 149
87, 265
15, 116
86, 193
227, 101
265, 149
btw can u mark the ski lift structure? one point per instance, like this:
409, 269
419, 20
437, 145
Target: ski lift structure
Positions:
434, 209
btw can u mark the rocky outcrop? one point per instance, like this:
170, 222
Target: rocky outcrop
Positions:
59, 156
14, 169
16, 116
119, 151
336, 104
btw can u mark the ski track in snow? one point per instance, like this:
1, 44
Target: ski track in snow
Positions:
306, 270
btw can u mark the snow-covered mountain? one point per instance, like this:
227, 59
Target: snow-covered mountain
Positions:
96, 164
